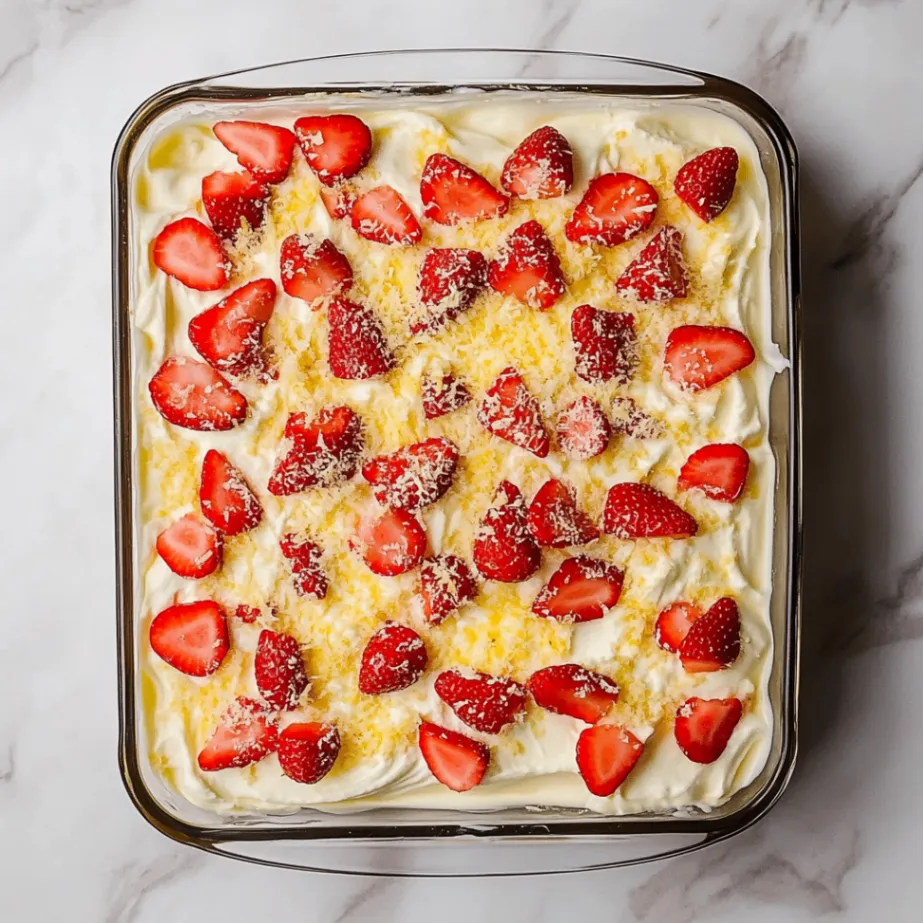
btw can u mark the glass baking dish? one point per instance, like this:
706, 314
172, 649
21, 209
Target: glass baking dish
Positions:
513, 841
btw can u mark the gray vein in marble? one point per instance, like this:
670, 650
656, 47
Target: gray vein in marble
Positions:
361, 899
11, 64
8, 766
560, 16
832, 11
774, 72
136, 881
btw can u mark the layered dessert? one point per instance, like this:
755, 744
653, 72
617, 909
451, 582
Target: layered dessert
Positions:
454, 486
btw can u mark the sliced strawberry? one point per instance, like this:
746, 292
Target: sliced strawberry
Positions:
443, 395
706, 183
278, 666
458, 762
192, 394
528, 268
605, 344
304, 561
394, 658
246, 734
582, 589
191, 637
392, 544
335, 146
446, 582
583, 429
382, 215
697, 358
486, 703
193, 254
713, 641
414, 476
308, 750
606, 755
628, 419
673, 625
230, 197
265, 150
190, 547
658, 273
247, 614
226, 499
719, 471
453, 192
615, 208
703, 727
569, 689
357, 348
542, 167
229, 335
511, 412
504, 548
555, 519
319, 452
448, 283
339, 199
312, 269
641, 511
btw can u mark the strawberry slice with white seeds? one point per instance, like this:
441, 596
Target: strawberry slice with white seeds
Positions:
615, 208
572, 690
504, 548
658, 274
308, 750
191, 637
457, 761
262, 149
606, 755
511, 412
193, 395
339, 199
528, 268
582, 589
394, 658
703, 727
335, 146
706, 183
391, 544
718, 470
583, 429
382, 215
446, 583
484, 702
230, 198
605, 344
628, 419
713, 641
226, 499
542, 167
246, 734
673, 625
190, 548
448, 283
697, 357
304, 561
414, 476
357, 348
278, 666
555, 519
312, 269
192, 254
641, 511
443, 394
453, 192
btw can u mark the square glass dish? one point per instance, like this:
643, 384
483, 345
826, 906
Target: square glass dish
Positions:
441, 842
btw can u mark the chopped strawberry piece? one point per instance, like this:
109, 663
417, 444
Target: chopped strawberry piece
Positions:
226, 499
606, 755
713, 641
555, 519
511, 412
192, 394
339, 199
414, 476
246, 734
528, 268
706, 183
357, 348
279, 669
628, 419
190, 547
641, 511
697, 358
304, 561
582, 589
658, 274
448, 283
458, 762
193, 254
542, 167
335, 146
673, 625
583, 429
308, 750
446, 582
703, 727
615, 208
719, 471
265, 150
394, 658
312, 269
247, 614
486, 703
191, 637
504, 548
569, 689
453, 192
392, 544
443, 395
605, 344
230, 197
382, 215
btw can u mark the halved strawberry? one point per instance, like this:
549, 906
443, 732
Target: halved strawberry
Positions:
703, 727
555, 519
448, 283
415, 475
192, 394
628, 419
511, 412
193, 254
673, 625
265, 150
312, 268
392, 544
226, 499
719, 471
190, 547
486, 703
453, 192
335, 146
706, 183
458, 762
442, 395
615, 208
191, 637
319, 452
308, 750
246, 733
229, 335
697, 357
713, 641
304, 561
278, 666
658, 273
504, 548
446, 582
641, 511
583, 429
230, 197
339, 199
582, 589
382, 215
569, 689
357, 348
606, 754
542, 167
394, 658
528, 268
605, 344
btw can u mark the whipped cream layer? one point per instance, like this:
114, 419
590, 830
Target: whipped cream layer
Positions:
533, 763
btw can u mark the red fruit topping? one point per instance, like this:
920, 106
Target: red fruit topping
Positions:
312, 269
308, 750
191, 637
542, 167
583, 429
606, 754
605, 344
555, 519
279, 669
357, 348
446, 582
486, 703
339, 199
190, 547
628, 419
335, 146
226, 499
382, 215
699, 357
713, 641
658, 273
641, 511
442, 395
528, 268
447, 285
192, 253
706, 183
453, 192
569, 689
719, 471
265, 150
230, 197
192, 394
394, 658
703, 727
504, 548
673, 625
458, 762
615, 208
245, 735
582, 589
415, 475
304, 561
392, 544
511, 412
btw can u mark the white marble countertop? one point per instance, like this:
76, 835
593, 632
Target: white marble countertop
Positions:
847, 837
